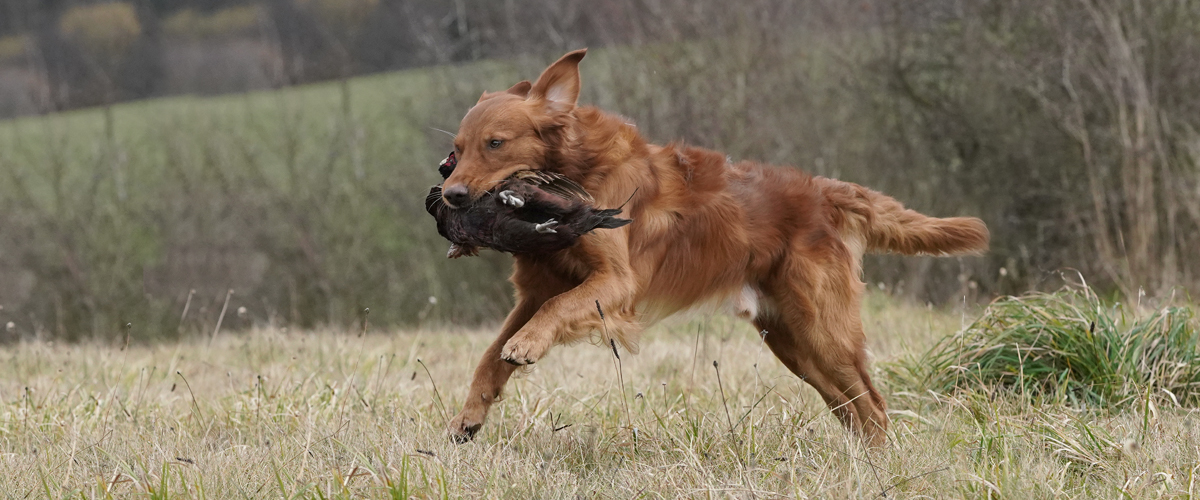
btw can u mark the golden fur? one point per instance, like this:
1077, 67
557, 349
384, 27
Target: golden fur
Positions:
783, 247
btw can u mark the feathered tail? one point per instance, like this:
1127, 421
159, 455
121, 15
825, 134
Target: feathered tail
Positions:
878, 223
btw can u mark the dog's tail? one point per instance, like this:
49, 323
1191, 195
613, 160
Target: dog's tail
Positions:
871, 221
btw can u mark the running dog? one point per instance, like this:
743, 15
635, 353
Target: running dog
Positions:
782, 247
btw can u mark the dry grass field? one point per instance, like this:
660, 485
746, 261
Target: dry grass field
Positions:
272, 413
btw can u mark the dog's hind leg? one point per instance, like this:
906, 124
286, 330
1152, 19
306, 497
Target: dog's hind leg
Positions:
815, 330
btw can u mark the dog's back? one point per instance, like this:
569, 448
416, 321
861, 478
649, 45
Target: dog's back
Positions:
746, 215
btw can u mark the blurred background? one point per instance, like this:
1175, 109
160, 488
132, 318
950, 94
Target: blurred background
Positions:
155, 154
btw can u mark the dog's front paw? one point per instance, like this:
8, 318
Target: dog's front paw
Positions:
524, 349
463, 427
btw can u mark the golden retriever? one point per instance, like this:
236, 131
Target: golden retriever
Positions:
784, 248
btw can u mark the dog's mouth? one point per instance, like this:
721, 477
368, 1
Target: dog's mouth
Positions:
434, 200
551, 182
450, 163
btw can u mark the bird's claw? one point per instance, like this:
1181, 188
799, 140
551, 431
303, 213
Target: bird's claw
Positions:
546, 227
511, 199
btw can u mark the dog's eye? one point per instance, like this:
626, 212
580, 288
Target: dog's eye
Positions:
495, 143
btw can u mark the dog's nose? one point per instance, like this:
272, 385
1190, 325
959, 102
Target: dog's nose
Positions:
456, 195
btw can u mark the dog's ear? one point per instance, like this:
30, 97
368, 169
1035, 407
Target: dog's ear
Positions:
521, 89
559, 84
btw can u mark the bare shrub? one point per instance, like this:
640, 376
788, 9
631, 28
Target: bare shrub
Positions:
1078, 118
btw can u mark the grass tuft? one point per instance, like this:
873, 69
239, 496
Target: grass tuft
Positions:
1069, 347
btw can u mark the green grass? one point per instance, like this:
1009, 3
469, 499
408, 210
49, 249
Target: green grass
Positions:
1068, 346
331, 414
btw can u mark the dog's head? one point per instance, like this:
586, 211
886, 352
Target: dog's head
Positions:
513, 130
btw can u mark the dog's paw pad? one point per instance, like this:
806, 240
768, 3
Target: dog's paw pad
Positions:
517, 360
464, 426
464, 434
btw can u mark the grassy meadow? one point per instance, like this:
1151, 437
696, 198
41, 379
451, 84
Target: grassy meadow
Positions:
274, 413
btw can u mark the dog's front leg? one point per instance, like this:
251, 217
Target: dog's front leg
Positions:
490, 375
564, 317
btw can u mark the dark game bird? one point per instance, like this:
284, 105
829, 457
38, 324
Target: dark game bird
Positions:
532, 212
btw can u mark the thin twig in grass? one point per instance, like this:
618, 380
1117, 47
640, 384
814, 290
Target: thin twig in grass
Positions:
362, 330
762, 336
437, 396
721, 385
187, 304
361, 399
195, 405
755, 405
220, 318
554, 427
863, 444
145, 383
28, 400
729, 419
362, 347
621, 380
696, 355
125, 351
617, 362
835, 450
883, 494
385, 365
848, 402
874, 469
591, 407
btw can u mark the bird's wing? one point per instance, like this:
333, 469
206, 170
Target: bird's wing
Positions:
556, 184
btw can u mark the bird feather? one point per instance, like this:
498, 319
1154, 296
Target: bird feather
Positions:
556, 184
